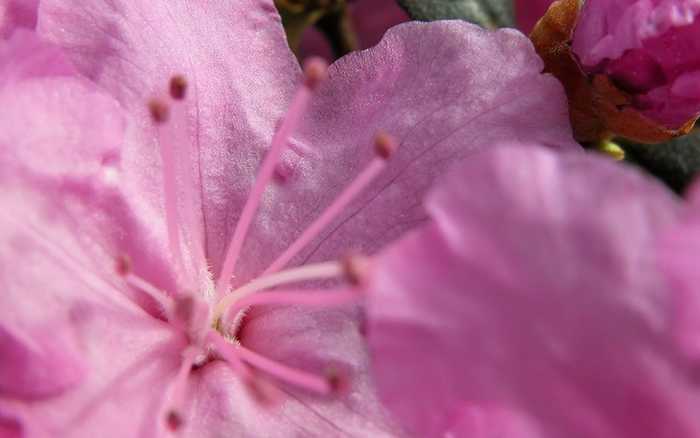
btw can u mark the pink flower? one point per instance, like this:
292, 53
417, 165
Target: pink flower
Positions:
649, 48
528, 12
370, 19
533, 303
134, 243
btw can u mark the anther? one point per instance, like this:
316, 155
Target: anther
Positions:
159, 111
384, 145
123, 265
178, 87
338, 382
315, 71
355, 269
174, 421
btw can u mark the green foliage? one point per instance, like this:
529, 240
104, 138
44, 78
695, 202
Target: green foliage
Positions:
676, 162
487, 13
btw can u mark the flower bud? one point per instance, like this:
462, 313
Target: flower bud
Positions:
650, 50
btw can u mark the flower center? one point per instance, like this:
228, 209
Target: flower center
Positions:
212, 333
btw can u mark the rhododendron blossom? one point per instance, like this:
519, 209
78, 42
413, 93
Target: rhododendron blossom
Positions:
650, 49
549, 317
179, 166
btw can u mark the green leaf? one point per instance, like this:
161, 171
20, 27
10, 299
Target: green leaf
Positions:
487, 13
676, 162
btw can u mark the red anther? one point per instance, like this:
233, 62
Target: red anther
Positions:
355, 269
159, 111
174, 421
385, 145
178, 87
338, 382
315, 71
123, 265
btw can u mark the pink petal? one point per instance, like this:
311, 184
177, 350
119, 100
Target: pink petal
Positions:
16, 14
535, 289
240, 76
10, 428
39, 363
678, 256
491, 422
444, 90
130, 365
79, 348
59, 125
24, 56
64, 137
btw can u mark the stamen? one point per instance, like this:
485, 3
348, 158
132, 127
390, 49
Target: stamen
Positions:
174, 417
385, 146
314, 72
187, 164
304, 297
306, 272
159, 111
178, 87
167, 142
284, 373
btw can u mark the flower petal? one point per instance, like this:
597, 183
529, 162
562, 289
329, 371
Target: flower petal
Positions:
60, 125
678, 251
534, 289
78, 349
444, 90
24, 56
16, 14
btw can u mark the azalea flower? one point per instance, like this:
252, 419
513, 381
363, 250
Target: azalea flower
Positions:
650, 51
187, 167
532, 305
